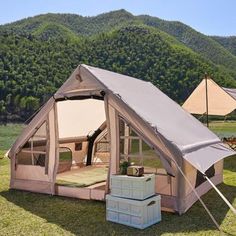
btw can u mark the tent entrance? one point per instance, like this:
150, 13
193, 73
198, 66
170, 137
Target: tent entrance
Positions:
84, 151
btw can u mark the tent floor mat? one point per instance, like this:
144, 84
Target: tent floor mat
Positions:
83, 177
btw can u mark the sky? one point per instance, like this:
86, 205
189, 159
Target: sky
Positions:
211, 17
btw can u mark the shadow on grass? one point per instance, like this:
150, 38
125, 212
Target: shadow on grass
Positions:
83, 217
230, 163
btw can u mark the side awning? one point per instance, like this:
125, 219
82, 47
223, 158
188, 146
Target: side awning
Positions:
203, 158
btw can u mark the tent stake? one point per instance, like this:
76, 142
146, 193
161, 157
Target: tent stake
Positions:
222, 196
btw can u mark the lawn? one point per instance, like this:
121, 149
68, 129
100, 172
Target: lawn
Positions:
24, 213
223, 129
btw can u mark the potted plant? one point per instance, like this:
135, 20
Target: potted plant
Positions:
123, 167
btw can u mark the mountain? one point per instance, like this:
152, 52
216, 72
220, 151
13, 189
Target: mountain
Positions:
228, 43
81, 26
206, 46
200, 43
37, 54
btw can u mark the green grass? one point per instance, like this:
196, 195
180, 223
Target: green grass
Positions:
24, 213
8, 134
223, 129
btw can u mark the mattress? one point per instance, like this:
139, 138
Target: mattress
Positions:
83, 177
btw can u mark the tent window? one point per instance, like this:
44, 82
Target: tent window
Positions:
101, 150
200, 178
78, 146
136, 151
103, 145
35, 150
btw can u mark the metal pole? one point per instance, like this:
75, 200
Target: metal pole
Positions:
207, 121
221, 195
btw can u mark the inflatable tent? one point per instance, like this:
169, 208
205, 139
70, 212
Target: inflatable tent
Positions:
97, 120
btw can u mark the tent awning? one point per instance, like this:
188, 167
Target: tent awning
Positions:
205, 157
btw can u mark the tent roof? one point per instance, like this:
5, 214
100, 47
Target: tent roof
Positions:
164, 115
221, 101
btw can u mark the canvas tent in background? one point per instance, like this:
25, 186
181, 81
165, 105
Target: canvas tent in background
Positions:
209, 98
99, 118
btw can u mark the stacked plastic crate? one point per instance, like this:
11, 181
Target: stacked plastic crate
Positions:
133, 202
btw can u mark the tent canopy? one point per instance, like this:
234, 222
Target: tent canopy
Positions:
221, 101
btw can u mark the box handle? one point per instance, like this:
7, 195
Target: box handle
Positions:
148, 179
151, 203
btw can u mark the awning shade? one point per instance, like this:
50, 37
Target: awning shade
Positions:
205, 157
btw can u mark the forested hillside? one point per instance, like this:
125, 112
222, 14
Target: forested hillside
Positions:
228, 42
202, 44
38, 54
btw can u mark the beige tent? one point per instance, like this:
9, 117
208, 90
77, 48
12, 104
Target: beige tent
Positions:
221, 101
98, 119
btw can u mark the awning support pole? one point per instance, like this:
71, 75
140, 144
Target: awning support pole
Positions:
221, 195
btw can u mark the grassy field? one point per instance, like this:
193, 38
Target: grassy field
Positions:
223, 129
24, 213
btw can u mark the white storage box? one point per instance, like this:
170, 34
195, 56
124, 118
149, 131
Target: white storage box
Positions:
138, 214
132, 187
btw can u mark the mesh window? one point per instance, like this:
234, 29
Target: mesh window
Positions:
136, 151
103, 145
34, 152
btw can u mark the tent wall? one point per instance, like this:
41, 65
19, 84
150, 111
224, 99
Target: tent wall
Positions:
191, 198
76, 118
34, 177
191, 174
81, 193
30, 128
114, 143
188, 197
